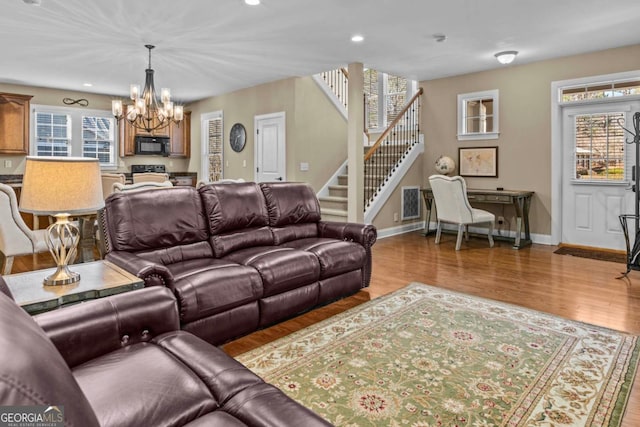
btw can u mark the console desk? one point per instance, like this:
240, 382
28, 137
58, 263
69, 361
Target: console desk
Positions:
520, 200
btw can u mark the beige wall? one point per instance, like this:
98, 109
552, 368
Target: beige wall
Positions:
315, 132
524, 145
54, 97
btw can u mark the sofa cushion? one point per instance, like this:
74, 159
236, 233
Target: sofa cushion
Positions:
237, 216
280, 268
208, 286
153, 388
290, 203
335, 256
293, 232
176, 254
155, 219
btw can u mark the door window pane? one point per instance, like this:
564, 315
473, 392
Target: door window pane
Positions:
599, 147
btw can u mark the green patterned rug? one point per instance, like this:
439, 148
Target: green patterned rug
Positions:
424, 356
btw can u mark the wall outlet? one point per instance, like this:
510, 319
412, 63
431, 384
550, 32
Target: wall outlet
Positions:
395, 217
500, 220
7, 163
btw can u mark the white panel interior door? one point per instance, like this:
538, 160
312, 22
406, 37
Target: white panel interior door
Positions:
596, 174
270, 148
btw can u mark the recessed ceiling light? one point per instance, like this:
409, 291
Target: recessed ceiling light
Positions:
33, 2
87, 84
252, 2
357, 38
439, 37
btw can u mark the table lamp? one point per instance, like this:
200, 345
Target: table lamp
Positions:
61, 186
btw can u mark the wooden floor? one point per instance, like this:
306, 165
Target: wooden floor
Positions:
575, 288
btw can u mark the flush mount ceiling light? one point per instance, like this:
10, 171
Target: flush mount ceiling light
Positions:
146, 113
252, 2
357, 38
506, 57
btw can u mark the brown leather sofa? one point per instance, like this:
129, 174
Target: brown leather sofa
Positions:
237, 256
123, 361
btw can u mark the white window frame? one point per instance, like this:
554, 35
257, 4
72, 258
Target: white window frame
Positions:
76, 138
412, 87
463, 99
204, 142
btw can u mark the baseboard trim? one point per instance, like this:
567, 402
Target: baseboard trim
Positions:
541, 239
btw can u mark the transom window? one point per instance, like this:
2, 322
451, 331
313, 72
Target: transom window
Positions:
602, 90
599, 146
64, 132
478, 115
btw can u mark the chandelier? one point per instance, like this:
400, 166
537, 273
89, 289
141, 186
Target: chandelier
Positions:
146, 113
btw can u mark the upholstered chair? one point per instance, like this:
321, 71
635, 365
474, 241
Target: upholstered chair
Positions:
150, 177
221, 181
15, 237
117, 187
108, 179
450, 195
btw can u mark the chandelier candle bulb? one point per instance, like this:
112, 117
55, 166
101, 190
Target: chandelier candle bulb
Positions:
116, 107
178, 112
165, 95
134, 92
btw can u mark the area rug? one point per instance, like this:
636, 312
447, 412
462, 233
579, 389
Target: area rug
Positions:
424, 356
592, 254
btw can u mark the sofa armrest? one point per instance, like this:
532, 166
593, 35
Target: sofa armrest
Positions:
152, 273
365, 234
91, 329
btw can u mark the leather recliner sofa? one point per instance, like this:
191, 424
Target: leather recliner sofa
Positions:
238, 256
123, 361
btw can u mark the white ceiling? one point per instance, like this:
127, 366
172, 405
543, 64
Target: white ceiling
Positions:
210, 47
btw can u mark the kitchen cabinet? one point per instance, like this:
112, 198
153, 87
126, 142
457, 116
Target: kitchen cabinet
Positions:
180, 137
14, 123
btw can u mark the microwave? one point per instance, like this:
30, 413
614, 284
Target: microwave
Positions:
152, 145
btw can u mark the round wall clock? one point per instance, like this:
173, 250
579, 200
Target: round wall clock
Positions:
237, 137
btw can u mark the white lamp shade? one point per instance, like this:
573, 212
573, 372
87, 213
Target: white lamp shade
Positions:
53, 185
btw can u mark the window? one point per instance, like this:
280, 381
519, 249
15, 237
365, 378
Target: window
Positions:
77, 132
599, 147
212, 146
478, 115
385, 96
603, 90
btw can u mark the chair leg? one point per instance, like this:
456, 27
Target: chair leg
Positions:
438, 233
6, 262
460, 234
466, 232
491, 225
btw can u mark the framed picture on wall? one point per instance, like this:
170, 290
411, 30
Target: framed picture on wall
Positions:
478, 161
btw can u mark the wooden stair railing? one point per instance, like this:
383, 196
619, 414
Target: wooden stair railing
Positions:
391, 147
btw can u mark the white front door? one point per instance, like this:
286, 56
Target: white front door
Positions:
270, 148
596, 174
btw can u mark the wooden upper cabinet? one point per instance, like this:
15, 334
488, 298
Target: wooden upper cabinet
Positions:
14, 123
180, 135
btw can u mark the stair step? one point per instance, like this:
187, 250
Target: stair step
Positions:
333, 202
338, 190
333, 214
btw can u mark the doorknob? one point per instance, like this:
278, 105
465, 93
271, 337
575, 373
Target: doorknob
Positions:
279, 178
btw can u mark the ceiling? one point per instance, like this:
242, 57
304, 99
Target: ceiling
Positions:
210, 47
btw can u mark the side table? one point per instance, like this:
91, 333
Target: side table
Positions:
97, 279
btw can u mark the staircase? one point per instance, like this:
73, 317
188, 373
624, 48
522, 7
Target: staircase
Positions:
385, 162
